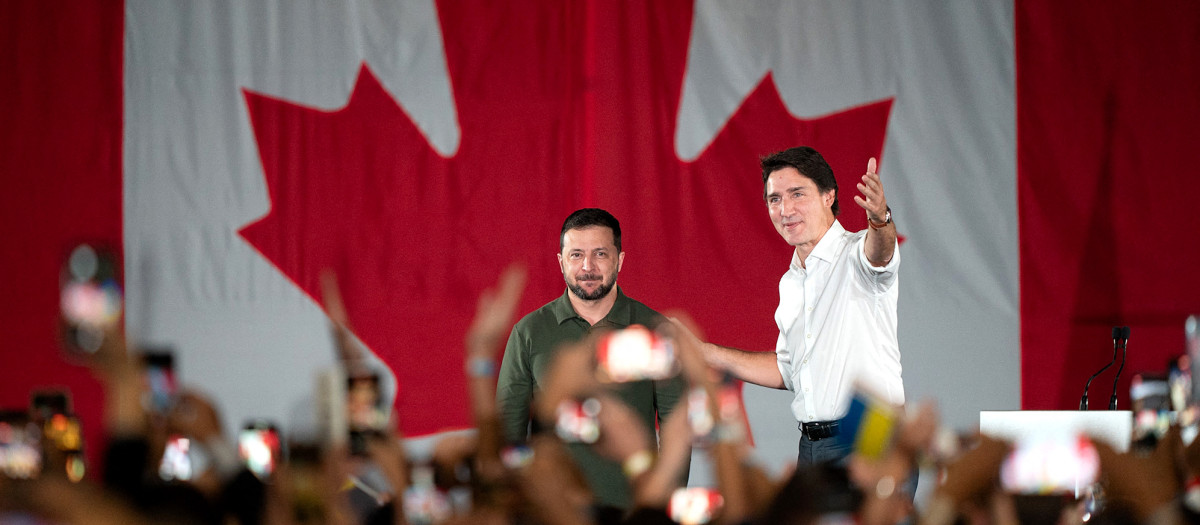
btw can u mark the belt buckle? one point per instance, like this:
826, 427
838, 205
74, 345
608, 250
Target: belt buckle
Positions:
819, 430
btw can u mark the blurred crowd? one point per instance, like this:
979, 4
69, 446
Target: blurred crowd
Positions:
478, 478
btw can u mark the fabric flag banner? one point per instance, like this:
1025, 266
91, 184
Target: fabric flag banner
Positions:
237, 151
398, 147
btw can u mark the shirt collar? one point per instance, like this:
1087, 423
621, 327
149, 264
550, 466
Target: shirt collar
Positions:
621, 313
826, 248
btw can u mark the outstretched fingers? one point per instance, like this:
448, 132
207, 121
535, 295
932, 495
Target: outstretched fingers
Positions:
871, 198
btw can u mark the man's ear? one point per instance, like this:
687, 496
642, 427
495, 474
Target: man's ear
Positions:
620, 260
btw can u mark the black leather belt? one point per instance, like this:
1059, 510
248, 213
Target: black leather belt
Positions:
818, 430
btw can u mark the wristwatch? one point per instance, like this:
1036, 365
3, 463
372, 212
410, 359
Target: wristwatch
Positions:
887, 219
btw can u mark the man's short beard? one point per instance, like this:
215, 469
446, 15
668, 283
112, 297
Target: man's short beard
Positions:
600, 293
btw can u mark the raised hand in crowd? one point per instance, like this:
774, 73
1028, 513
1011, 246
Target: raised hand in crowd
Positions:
884, 481
494, 316
970, 484
542, 483
1145, 484
351, 355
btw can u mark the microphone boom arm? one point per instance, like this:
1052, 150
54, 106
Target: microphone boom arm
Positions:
1112, 401
1116, 334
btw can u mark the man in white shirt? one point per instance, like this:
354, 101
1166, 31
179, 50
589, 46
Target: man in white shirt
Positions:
837, 301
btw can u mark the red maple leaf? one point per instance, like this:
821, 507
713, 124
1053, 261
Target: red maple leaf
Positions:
561, 105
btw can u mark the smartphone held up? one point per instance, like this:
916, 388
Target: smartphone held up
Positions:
20, 445
260, 447
366, 415
578, 420
694, 505
91, 300
158, 373
635, 353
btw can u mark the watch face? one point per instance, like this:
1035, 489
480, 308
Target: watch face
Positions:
887, 219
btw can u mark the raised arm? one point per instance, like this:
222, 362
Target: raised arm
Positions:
493, 318
881, 232
728, 450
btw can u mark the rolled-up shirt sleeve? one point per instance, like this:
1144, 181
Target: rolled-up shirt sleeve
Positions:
783, 359
878, 279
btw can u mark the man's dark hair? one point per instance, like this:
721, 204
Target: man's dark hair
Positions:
808, 162
591, 217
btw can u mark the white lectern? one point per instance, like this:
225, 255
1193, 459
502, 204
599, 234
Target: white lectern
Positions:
1114, 427
1035, 427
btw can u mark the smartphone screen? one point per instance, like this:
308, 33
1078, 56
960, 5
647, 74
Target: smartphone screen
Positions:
364, 403
700, 417
694, 505
365, 413
1150, 401
91, 299
20, 445
1179, 382
576, 422
176, 461
1050, 464
423, 501
159, 374
63, 431
62, 435
1191, 336
259, 447
635, 353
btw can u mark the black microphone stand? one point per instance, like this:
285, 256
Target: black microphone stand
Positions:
1112, 401
1116, 334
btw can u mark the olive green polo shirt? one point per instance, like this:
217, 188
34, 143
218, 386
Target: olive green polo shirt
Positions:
531, 347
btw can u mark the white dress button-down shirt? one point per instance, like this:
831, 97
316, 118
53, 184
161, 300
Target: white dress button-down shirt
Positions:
837, 327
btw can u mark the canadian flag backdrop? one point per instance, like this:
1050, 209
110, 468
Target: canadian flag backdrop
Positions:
1036, 156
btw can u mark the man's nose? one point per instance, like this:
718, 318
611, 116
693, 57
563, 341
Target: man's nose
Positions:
789, 207
587, 263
